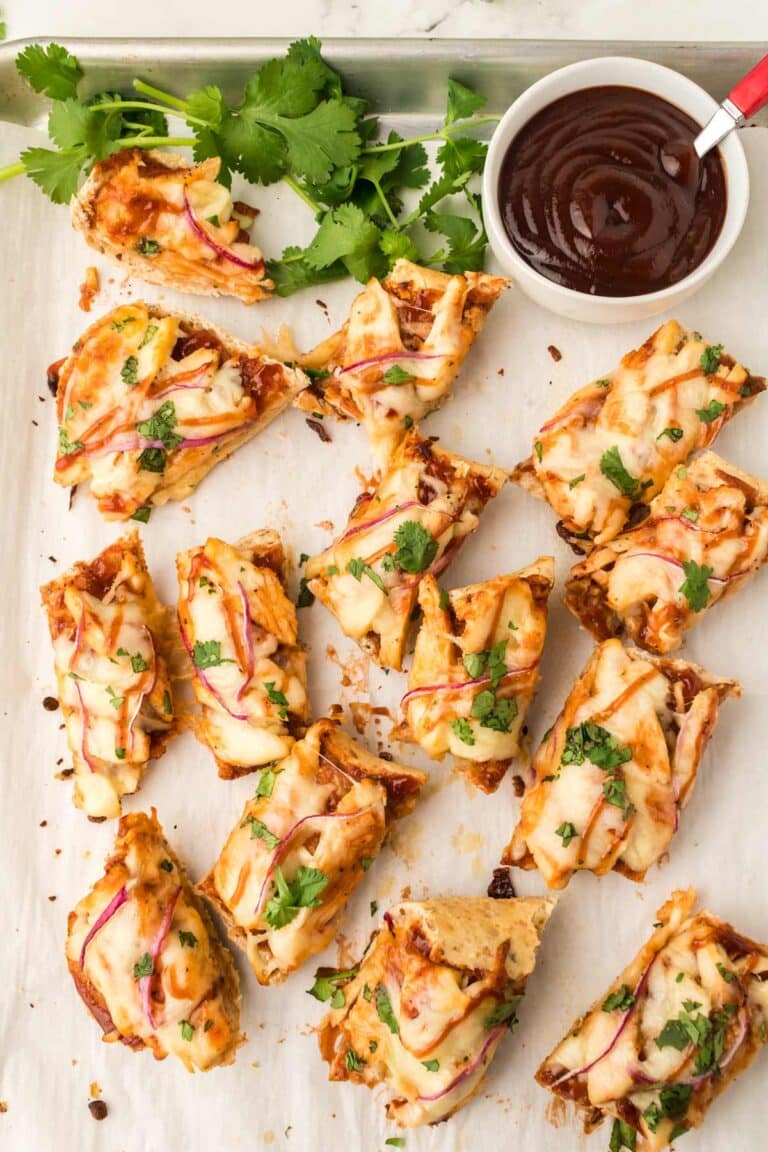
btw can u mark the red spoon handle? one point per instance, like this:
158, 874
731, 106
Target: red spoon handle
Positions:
751, 92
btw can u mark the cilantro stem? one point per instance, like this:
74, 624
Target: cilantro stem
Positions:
156, 141
297, 188
158, 94
443, 134
385, 202
12, 170
119, 105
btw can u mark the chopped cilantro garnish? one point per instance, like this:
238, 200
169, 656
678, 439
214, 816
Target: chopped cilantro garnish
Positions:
566, 832
353, 1062
463, 730
504, 1013
612, 467
187, 1030
326, 984
207, 654
143, 967
397, 375
711, 412
416, 548
709, 360
673, 434
259, 831
187, 939
146, 246
276, 697
620, 1000
289, 897
384, 1009
695, 587
129, 373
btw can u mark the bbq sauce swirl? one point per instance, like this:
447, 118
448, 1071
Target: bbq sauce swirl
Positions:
602, 192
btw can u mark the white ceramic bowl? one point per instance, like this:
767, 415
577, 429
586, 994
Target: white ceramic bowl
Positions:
629, 73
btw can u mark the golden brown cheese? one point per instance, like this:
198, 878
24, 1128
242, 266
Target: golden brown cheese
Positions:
171, 223
413, 522
239, 629
617, 767
705, 536
148, 402
304, 843
615, 443
475, 670
681, 1022
146, 959
111, 642
424, 1011
395, 359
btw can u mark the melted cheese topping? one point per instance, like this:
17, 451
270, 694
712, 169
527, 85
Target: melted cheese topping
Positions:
316, 816
227, 600
660, 386
113, 689
375, 609
628, 1061
382, 375
189, 1005
580, 815
175, 220
504, 614
709, 514
134, 420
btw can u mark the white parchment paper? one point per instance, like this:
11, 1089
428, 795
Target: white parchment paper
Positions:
277, 1096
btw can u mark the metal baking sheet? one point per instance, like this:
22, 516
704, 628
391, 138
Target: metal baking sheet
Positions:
277, 1095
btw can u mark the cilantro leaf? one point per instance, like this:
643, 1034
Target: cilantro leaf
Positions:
51, 70
620, 1000
266, 783
143, 967
259, 831
463, 730
397, 375
462, 102
709, 414
674, 1099
566, 832
303, 891
353, 1062
57, 173
416, 547
467, 241
612, 467
348, 235
326, 983
162, 422
709, 360
673, 433
695, 587
187, 1030
623, 1135
384, 1009
207, 654
505, 1013
187, 939
294, 272
596, 744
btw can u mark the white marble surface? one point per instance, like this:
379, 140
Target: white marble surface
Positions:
578, 19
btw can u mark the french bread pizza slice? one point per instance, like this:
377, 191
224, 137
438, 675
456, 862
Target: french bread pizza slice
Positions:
396, 357
303, 844
149, 401
112, 642
437, 989
171, 223
146, 958
239, 629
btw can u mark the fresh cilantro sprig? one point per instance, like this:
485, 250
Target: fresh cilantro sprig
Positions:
293, 123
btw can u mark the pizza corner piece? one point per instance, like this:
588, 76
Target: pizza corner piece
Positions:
412, 523
396, 357
437, 989
113, 643
249, 671
146, 958
171, 223
149, 401
303, 844
615, 443
705, 536
686, 1017
476, 668
614, 773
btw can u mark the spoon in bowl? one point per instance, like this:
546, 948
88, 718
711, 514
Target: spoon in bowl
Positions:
743, 101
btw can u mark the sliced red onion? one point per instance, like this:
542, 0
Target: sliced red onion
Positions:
284, 844
247, 636
206, 681
181, 388
389, 356
257, 265
379, 519
426, 689
389, 921
116, 902
145, 982
469, 1070
612, 1044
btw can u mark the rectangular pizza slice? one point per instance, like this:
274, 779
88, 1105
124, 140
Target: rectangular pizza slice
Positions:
239, 629
146, 958
112, 641
413, 522
475, 670
618, 766
681, 1022
396, 357
303, 844
422, 1014
149, 401
168, 222
705, 536
614, 444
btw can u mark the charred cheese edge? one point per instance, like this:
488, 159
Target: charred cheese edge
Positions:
618, 766
706, 536
694, 967
327, 807
484, 640
431, 1000
239, 629
435, 491
171, 223
149, 401
396, 357
146, 959
112, 640
646, 418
